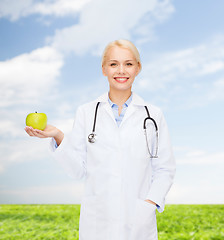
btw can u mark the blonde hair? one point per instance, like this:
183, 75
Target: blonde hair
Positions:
123, 44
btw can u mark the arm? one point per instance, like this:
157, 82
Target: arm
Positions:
163, 167
49, 131
72, 152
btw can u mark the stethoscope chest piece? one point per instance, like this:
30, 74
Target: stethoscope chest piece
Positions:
92, 137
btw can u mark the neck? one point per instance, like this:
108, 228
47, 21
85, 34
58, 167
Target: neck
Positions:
119, 97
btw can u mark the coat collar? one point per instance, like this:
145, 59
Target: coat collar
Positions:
136, 99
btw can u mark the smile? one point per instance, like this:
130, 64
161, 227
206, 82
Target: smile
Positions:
121, 79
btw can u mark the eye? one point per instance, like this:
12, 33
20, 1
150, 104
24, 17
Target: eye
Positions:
113, 64
129, 64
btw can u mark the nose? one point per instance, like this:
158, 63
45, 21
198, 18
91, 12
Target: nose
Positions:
121, 69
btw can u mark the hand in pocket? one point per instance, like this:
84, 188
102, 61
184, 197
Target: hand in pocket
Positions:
144, 222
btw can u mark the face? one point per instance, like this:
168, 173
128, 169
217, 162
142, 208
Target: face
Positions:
120, 68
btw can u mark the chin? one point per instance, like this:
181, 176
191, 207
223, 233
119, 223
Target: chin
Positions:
121, 88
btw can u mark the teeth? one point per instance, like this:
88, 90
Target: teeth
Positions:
121, 79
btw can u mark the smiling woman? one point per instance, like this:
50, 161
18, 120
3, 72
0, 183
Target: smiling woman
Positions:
120, 64
125, 180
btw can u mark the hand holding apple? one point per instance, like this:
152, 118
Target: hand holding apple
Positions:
36, 122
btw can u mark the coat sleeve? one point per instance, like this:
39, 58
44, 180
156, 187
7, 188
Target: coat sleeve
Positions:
71, 153
163, 167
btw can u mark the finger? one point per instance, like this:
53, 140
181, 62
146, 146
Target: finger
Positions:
46, 132
38, 131
40, 134
34, 133
29, 131
37, 134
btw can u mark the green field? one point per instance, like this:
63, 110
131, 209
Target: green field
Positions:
58, 222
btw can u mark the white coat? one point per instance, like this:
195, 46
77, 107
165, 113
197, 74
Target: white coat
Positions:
119, 174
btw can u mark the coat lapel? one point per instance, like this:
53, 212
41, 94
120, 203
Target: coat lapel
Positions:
108, 109
133, 107
130, 110
103, 99
136, 101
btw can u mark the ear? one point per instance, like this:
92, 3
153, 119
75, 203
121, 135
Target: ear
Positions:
139, 69
104, 71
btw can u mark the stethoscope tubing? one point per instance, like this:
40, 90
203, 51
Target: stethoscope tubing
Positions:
92, 136
94, 124
152, 119
157, 137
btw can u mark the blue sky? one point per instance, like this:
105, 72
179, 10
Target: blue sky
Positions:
50, 62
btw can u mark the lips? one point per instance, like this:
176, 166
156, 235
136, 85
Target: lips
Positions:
121, 79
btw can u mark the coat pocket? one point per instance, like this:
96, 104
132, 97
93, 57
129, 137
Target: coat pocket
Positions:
87, 221
144, 225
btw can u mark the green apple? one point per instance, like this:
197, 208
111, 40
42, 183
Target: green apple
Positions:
37, 120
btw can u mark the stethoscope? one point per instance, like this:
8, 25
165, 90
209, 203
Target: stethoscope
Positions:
92, 136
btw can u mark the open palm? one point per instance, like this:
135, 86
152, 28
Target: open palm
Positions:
49, 131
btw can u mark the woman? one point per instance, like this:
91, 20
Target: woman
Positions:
124, 181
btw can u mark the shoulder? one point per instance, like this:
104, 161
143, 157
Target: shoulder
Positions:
154, 110
91, 105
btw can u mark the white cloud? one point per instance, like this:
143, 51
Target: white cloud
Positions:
198, 173
29, 76
64, 125
9, 126
14, 9
68, 193
187, 156
217, 90
183, 66
22, 150
212, 67
219, 83
197, 193
59, 7
97, 22
163, 10
203, 158
103, 21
